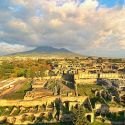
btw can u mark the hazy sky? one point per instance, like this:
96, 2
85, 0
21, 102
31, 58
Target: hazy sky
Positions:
89, 27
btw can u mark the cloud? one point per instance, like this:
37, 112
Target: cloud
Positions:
122, 44
12, 48
55, 22
18, 25
82, 26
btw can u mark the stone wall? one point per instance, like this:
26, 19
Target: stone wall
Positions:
95, 76
43, 109
84, 81
110, 75
52, 77
46, 101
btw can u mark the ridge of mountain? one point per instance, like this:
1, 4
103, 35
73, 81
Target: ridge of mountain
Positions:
46, 51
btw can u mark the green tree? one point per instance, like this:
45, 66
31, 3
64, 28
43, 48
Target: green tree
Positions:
79, 116
21, 72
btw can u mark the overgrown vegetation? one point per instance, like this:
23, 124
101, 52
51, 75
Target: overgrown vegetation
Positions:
79, 116
116, 116
28, 69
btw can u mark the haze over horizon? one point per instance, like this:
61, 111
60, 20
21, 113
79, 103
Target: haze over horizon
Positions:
88, 27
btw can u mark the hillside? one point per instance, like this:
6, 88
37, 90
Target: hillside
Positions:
47, 51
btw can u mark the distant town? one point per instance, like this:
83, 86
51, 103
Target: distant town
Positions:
62, 91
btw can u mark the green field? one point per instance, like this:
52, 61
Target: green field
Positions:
86, 90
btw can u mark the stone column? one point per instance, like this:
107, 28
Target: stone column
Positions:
76, 89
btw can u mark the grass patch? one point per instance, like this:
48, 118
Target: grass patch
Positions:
86, 90
98, 123
20, 93
5, 110
58, 123
1, 110
16, 112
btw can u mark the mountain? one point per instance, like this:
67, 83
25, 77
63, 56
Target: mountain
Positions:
47, 51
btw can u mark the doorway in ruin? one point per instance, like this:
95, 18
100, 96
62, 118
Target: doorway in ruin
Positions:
67, 105
88, 117
76, 106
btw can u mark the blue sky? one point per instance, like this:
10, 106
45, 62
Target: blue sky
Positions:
111, 3
88, 27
